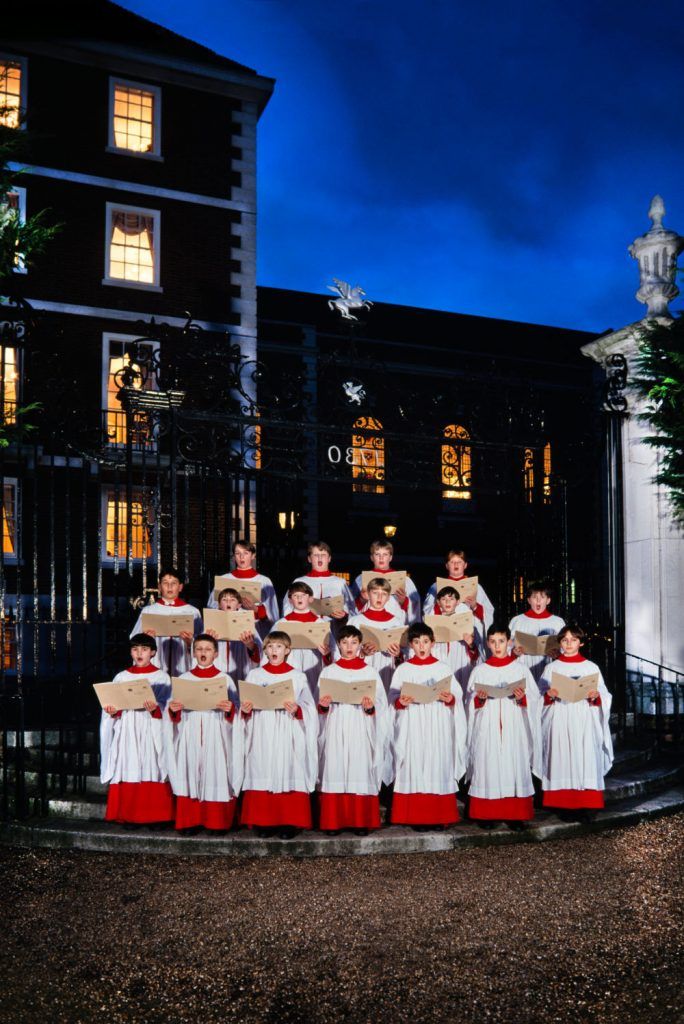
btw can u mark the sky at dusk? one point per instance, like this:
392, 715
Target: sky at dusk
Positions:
492, 158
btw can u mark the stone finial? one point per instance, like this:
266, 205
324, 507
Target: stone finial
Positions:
657, 252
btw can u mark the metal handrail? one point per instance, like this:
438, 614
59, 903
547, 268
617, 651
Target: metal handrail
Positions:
656, 664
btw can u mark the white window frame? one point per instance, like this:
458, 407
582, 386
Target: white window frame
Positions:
155, 152
120, 282
12, 482
107, 338
16, 58
120, 559
20, 268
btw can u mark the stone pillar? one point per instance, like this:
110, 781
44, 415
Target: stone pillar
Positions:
653, 543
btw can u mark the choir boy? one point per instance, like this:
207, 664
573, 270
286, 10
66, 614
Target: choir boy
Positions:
204, 750
537, 621
323, 582
407, 601
480, 605
306, 660
266, 610
378, 616
174, 653
353, 745
459, 655
504, 739
281, 753
428, 739
577, 745
131, 746
235, 657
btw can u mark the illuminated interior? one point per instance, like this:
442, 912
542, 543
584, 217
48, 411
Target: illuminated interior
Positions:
9, 381
9, 538
133, 119
10, 93
456, 464
131, 249
117, 533
368, 456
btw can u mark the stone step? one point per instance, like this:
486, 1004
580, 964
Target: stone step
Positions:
641, 781
91, 806
105, 837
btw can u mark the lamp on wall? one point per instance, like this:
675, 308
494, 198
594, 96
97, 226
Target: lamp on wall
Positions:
389, 530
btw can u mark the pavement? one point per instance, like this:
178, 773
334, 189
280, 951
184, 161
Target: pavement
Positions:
585, 930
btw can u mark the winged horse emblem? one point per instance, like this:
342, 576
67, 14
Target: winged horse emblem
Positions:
348, 298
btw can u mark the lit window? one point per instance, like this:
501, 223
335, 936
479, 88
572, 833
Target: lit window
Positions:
14, 205
341, 575
120, 372
528, 475
8, 642
126, 528
368, 456
547, 473
9, 520
456, 463
9, 383
10, 93
134, 117
133, 246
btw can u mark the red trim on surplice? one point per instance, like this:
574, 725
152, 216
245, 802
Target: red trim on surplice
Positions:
348, 810
266, 810
217, 815
508, 808
139, 803
424, 809
574, 799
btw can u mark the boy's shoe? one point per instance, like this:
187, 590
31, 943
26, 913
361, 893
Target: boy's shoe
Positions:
487, 824
517, 826
287, 833
361, 831
331, 831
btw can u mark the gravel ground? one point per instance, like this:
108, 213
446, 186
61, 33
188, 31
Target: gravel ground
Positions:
586, 929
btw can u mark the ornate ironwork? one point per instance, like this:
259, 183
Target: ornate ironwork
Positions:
616, 383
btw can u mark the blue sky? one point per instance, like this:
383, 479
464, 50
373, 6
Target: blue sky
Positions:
492, 158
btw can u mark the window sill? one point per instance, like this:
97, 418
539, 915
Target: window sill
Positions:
157, 157
116, 282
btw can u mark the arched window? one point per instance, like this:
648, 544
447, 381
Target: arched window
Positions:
456, 464
528, 475
368, 456
547, 473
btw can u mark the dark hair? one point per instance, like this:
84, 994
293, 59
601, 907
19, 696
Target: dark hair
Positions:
142, 640
498, 627
573, 628
247, 544
420, 629
278, 636
231, 591
322, 545
170, 570
205, 636
448, 592
539, 587
346, 631
299, 587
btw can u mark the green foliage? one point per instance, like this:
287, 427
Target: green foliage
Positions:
660, 383
24, 241
21, 429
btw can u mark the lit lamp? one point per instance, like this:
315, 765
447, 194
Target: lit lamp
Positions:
389, 530
286, 520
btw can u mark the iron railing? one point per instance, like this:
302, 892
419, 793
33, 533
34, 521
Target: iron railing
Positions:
654, 698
